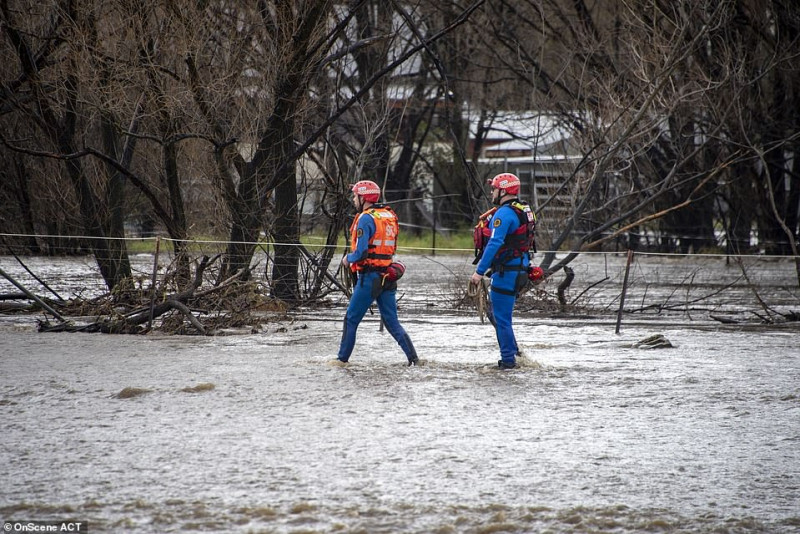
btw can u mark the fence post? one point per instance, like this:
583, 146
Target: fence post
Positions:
624, 290
153, 284
433, 230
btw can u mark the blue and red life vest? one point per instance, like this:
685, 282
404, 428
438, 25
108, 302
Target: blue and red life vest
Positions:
516, 243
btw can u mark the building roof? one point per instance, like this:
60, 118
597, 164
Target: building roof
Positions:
522, 134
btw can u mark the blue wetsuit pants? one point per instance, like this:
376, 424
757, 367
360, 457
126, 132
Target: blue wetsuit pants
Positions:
360, 302
501, 307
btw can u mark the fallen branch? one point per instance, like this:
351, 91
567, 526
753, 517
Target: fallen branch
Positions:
724, 320
47, 287
13, 296
589, 288
181, 307
33, 297
752, 288
130, 322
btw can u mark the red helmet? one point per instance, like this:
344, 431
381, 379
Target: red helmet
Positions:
506, 181
367, 189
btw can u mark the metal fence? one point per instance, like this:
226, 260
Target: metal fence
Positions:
695, 286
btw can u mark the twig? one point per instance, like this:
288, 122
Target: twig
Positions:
181, 307
753, 289
47, 287
587, 289
679, 305
321, 269
231, 280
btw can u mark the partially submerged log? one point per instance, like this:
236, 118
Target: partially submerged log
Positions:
775, 317
657, 341
724, 319
13, 296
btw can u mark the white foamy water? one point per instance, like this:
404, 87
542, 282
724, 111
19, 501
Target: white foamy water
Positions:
259, 433
591, 434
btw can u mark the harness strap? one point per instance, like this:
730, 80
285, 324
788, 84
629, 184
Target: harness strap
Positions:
504, 291
371, 269
513, 268
503, 267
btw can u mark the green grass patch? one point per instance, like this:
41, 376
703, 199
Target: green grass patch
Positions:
140, 246
197, 245
423, 243
452, 243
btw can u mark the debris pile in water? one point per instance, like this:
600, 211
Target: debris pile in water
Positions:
130, 392
657, 341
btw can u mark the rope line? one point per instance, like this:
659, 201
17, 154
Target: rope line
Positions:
480, 294
402, 248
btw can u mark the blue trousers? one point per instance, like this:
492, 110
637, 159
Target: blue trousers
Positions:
501, 308
360, 302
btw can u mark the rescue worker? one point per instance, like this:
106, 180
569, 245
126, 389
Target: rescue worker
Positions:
373, 241
504, 251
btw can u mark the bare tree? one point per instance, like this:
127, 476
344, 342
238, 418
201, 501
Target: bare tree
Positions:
52, 65
684, 115
651, 93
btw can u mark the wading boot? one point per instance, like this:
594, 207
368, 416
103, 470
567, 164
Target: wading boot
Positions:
411, 352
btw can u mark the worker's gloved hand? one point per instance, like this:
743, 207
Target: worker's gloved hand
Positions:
535, 274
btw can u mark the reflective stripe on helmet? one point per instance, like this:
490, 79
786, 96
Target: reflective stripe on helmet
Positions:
507, 182
366, 187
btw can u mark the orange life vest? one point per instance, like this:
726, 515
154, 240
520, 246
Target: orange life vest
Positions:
383, 243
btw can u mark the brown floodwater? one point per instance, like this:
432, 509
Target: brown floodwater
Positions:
260, 433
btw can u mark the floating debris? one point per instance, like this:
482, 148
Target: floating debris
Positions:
129, 392
199, 388
657, 341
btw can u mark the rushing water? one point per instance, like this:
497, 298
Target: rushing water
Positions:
592, 435
260, 433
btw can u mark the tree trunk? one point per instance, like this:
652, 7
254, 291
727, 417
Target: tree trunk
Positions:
110, 254
286, 225
286, 232
178, 231
115, 223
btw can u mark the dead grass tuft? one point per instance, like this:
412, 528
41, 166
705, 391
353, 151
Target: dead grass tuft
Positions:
199, 388
131, 392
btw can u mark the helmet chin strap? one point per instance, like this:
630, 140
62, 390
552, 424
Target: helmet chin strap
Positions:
499, 199
496, 199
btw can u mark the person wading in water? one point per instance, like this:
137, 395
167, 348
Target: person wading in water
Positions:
503, 238
373, 242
